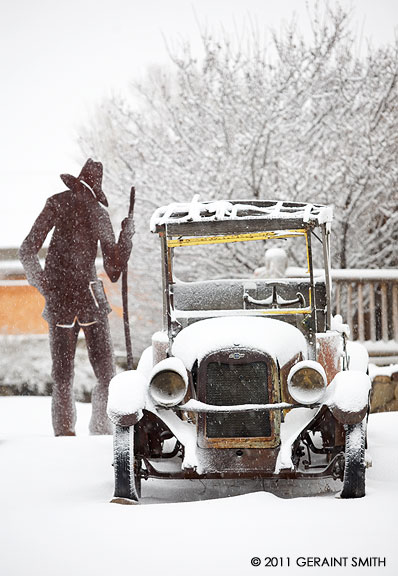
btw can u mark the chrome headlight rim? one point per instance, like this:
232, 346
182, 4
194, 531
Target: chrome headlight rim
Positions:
168, 383
307, 382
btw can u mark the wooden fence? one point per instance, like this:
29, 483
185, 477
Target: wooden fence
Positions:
368, 302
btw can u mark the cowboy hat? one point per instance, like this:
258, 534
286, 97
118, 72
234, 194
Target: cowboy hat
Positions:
91, 177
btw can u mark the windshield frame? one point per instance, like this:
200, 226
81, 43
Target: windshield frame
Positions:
247, 237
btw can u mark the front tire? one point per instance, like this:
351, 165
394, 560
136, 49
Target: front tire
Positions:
126, 466
354, 466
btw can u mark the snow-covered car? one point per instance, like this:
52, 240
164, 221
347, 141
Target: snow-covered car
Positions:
251, 376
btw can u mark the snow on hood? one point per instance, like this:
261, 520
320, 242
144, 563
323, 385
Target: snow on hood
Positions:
277, 338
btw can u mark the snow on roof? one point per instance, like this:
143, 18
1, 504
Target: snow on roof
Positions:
225, 210
274, 337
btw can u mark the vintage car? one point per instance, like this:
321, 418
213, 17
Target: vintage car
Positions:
251, 376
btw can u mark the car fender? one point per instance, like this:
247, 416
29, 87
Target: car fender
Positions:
347, 396
127, 397
358, 357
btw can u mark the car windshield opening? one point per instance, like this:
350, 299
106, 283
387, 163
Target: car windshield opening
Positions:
269, 255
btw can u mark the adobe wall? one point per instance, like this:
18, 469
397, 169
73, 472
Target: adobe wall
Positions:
21, 307
384, 396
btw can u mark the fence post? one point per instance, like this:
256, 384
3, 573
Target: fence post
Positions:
384, 312
361, 323
372, 311
349, 307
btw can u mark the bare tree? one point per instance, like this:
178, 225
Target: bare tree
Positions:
299, 119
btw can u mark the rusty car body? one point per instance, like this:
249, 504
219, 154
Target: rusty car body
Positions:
250, 377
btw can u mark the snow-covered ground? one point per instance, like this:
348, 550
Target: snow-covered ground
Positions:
56, 519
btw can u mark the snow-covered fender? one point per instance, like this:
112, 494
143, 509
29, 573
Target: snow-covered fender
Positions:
127, 397
128, 391
358, 357
347, 396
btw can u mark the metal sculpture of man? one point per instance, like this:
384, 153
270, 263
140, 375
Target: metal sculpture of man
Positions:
75, 298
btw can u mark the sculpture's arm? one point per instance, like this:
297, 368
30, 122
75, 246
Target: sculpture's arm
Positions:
28, 252
115, 254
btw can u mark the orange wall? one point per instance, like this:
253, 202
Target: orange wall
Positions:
21, 307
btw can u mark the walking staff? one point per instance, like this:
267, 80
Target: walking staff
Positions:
126, 322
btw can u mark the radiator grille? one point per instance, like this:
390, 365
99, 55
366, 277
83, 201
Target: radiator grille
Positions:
232, 384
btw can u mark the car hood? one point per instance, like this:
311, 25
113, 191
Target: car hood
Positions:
280, 340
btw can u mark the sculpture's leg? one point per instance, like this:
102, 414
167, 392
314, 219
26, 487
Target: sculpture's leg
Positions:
100, 352
63, 348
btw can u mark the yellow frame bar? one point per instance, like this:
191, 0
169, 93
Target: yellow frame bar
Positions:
204, 240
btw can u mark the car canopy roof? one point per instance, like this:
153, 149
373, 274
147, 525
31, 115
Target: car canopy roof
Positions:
236, 216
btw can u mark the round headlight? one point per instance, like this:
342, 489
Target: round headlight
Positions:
307, 382
169, 382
